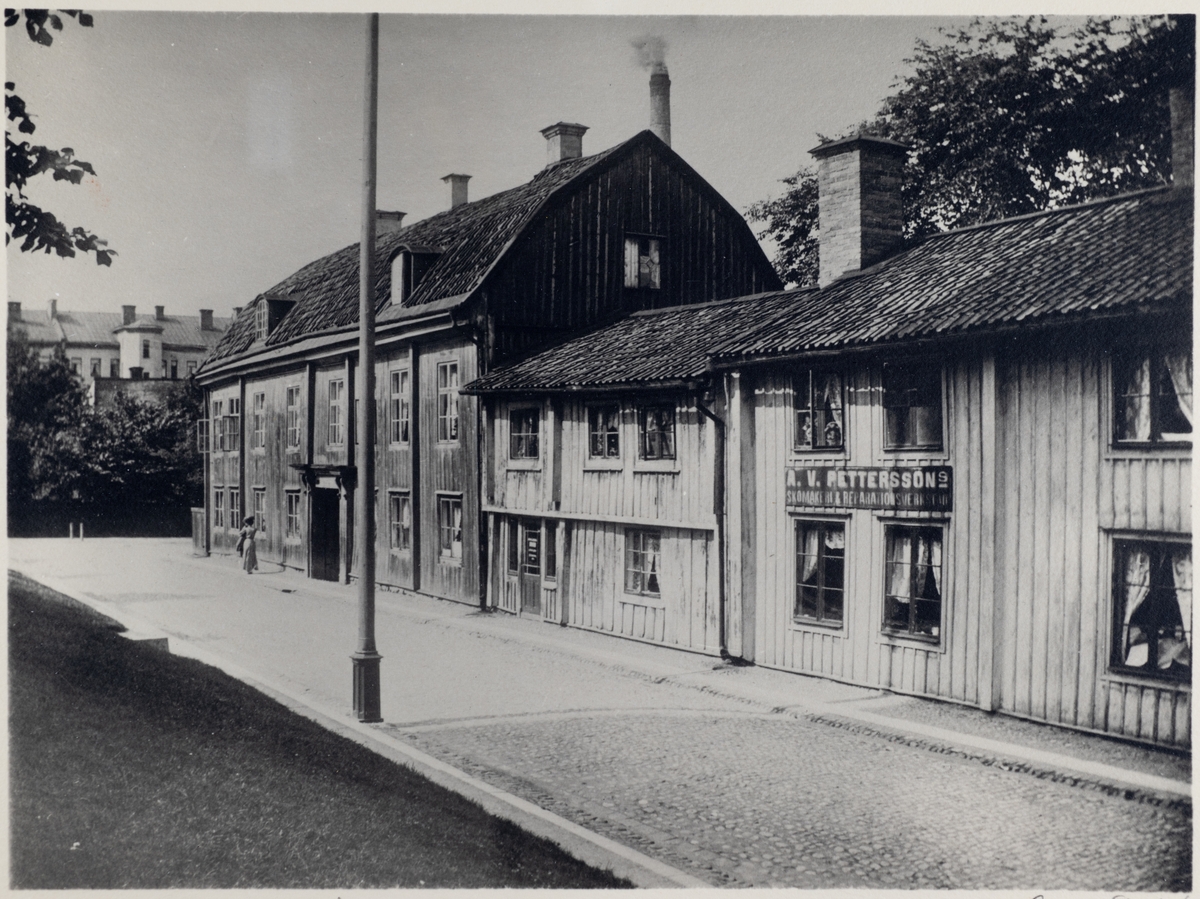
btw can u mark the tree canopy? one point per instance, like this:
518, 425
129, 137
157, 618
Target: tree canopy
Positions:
1011, 116
37, 228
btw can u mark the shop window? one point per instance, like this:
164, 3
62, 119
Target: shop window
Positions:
820, 571
260, 507
912, 403
293, 417
523, 428
450, 529
643, 562
1152, 604
447, 394
642, 262
400, 407
400, 539
337, 424
656, 432
913, 579
259, 437
1153, 397
604, 432
292, 525
818, 399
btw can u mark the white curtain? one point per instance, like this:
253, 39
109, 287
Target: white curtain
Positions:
1137, 397
1137, 586
811, 536
935, 563
1179, 365
900, 567
835, 538
831, 402
1178, 647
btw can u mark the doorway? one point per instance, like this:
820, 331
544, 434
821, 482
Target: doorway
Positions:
531, 567
324, 537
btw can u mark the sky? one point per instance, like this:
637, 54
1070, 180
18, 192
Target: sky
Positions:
228, 146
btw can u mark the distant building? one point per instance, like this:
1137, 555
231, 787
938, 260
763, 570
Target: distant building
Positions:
111, 346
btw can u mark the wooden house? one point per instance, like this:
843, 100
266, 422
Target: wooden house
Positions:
958, 470
588, 240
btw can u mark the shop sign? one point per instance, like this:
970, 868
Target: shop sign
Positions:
929, 488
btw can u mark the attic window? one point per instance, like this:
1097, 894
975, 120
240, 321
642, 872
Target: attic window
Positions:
260, 320
642, 265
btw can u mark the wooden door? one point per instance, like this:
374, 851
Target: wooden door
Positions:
531, 567
323, 535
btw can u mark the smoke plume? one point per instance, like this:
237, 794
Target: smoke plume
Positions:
651, 51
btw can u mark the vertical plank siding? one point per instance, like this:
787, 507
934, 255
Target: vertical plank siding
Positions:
1027, 579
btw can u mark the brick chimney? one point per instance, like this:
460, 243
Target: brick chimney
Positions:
458, 189
660, 103
53, 304
128, 314
564, 140
1183, 136
160, 314
206, 322
861, 220
14, 310
386, 222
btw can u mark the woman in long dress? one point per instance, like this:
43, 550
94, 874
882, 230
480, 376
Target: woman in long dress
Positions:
249, 553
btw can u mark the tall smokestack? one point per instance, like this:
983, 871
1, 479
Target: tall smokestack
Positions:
660, 103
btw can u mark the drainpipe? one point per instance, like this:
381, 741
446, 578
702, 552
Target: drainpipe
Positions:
719, 514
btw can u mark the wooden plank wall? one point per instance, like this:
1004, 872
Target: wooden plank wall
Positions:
1064, 492
859, 651
225, 470
268, 468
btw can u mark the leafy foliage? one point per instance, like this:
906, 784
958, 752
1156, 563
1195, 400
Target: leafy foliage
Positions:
36, 228
1011, 116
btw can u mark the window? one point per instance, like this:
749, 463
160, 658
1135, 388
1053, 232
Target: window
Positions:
642, 267
604, 432
912, 403
523, 433
174, 369
218, 417
514, 547
1152, 603
400, 408
260, 320
191, 367
96, 364
1153, 397
820, 571
337, 430
219, 508
656, 432
447, 390
114, 368
202, 436
235, 508
76, 365
551, 552
354, 419
163, 368
259, 438
293, 417
400, 522
145, 349
233, 425
818, 401
292, 525
643, 562
913, 601
260, 507
450, 532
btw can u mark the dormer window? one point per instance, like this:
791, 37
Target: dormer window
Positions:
260, 320
408, 268
642, 262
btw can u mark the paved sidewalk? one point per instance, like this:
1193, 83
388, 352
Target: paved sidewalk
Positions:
574, 724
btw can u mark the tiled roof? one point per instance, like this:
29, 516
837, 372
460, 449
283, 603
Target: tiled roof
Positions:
1103, 257
471, 238
98, 329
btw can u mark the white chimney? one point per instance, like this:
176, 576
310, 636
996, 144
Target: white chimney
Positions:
564, 140
660, 103
160, 313
458, 189
386, 222
128, 314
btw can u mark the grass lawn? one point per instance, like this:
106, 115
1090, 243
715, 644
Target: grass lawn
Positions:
135, 769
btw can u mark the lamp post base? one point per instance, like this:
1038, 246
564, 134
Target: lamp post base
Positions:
366, 686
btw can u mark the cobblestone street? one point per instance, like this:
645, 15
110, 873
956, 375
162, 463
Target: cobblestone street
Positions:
754, 800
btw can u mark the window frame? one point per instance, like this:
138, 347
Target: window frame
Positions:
911, 631
258, 438
399, 536
260, 320
912, 367
448, 430
820, 619
1156, 364
219, 507
399, 407
643, 433
145, 349
259, 498
114, 368
233, 425
808, 393
218, 420
336, 430
637, 276
191, 366
636, 545
293, 521
292, 405
1117, 667
529, 442
235, 507
607, 460
446, 503
95, 365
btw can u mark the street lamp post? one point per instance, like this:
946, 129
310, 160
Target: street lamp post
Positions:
366, 659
